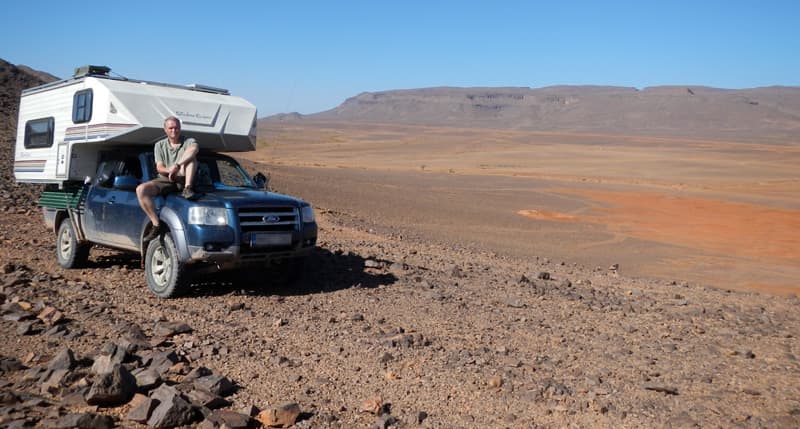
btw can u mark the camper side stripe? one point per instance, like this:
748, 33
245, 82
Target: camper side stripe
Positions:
29, 166
95, 131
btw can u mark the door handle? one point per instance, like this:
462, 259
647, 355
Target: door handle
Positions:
112, 200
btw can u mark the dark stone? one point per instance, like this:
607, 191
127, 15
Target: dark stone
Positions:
8, 398
164, 392
112, 389
162, 361
85, 421
132, 338
229, 418
65, 359
54, 382
10, 364
172, 411
57, 331
544, 275
215, 384
204, 398
30, 327
142, 412
147, 379
196, 373
384, 421
18, 316
661, 388
168, 329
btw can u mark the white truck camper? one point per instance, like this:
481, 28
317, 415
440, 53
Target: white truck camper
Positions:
63, 125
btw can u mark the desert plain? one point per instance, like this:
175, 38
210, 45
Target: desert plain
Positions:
464, 277
711, 211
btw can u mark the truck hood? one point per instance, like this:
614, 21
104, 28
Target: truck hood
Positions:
239, 198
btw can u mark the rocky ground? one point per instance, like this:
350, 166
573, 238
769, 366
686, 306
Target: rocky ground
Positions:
383, 331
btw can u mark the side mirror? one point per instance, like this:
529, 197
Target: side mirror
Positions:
261, 180
126, 183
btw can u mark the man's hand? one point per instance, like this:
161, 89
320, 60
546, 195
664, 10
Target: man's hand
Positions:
173, 172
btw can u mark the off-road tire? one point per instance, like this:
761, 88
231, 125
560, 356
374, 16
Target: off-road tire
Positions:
70, 253
166, 274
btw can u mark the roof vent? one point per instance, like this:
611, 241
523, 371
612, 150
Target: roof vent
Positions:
91, 71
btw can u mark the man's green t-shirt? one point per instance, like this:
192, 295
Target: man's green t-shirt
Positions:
168, 156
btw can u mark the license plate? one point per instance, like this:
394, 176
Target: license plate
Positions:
264, 239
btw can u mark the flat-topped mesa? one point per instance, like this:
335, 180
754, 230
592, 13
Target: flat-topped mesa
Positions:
63, 124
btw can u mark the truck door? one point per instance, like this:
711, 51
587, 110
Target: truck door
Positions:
95, 212
117, 214
125, 217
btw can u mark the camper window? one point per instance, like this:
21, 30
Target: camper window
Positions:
39, 133
82, 106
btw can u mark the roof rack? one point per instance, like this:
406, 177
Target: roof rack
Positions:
206, 88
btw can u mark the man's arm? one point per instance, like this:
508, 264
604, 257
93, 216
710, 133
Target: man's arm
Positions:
189, 155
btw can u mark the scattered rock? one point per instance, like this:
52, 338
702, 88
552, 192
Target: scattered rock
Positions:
172, 410
661, 388
85, 421
113, 388
141, 408
229, 419
384, 421
373, 406
283, 416
169, 329
65, 359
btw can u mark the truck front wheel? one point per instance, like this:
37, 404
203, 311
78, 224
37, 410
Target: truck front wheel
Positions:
166, 274
69, 251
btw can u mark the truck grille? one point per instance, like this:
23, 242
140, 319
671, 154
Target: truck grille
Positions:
266, 219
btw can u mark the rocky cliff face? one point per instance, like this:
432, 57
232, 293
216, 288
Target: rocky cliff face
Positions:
13, 79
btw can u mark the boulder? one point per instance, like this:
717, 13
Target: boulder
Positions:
114, 388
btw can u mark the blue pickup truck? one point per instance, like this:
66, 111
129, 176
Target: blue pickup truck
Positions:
88, 139
235, 224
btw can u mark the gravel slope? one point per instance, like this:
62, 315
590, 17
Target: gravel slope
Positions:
442, 336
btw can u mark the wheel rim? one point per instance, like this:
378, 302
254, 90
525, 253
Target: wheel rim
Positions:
162, 266
65, 243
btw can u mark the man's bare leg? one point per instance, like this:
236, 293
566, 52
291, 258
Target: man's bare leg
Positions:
145, 192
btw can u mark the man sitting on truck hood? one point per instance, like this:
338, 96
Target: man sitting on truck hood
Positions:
176, 163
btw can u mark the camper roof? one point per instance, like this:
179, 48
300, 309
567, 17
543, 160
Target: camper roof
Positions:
103, 72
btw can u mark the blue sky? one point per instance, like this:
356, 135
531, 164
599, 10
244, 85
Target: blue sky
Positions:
310, 56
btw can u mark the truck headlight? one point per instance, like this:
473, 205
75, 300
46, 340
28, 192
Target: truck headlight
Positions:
307, 213
208, 216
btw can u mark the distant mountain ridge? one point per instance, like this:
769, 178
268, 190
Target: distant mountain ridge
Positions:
687, 111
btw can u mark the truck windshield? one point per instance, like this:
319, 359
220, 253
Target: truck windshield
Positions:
222, 173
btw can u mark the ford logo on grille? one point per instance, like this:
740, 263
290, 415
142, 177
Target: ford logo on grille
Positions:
271, 219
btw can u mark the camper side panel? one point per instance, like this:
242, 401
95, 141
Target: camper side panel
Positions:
41, 154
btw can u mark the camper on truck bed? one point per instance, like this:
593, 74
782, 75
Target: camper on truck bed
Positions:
90, 140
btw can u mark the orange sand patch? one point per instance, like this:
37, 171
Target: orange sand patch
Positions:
746, 246
731, 228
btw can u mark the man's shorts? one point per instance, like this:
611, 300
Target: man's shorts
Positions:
166, 187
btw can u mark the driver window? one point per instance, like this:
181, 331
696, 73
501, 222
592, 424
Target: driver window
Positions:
106, 172
132, 167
